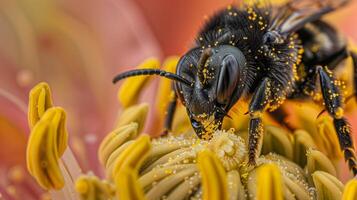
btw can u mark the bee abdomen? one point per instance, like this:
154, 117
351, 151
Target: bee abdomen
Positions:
320, 42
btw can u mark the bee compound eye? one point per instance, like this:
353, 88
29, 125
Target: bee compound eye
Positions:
227, 79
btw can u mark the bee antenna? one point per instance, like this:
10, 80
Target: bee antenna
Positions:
146, 72
201, 63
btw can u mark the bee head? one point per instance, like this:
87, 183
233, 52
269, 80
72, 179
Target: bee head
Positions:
208, 82
218, 76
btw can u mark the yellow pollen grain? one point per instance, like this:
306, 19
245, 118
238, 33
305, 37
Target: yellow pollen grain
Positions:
339, 113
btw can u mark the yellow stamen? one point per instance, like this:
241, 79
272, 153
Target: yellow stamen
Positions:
90, 187
317, 161
302, 142
130, 89
328, 140
214, 178
57, 117
229, 148
115, 139
126, 168
327, 186
128, 186
47, 142
350, 192
134, 155
269, 183
39, 101
137, 113
181, 122
277, 140
235, 186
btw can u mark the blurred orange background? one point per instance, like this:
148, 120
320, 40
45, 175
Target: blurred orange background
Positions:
78, 46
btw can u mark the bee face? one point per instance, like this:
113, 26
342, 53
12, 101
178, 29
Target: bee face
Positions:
216, 74
205, 112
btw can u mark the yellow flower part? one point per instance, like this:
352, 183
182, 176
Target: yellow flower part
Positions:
130, 89
328, 141
350, 192
128, 187
133, 156
327, 186
136, 113
165, 86
277, 140
302, 142
181, 122
114, 140
214, 178
57, 117
40, 99
269, 183
317, 161
235, 186
321, 129
229, 148
47, 142
303, 120
181, 166
92, 188
126, 168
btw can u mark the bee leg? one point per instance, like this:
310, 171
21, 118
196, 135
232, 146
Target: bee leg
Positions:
171, 108
333, 104
354, 59
256, 107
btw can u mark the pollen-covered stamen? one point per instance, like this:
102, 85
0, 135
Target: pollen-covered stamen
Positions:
229, 148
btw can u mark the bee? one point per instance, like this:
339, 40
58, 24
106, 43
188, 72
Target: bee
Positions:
264, 53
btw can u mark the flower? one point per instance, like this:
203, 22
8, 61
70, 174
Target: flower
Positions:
179, 166
68, 43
